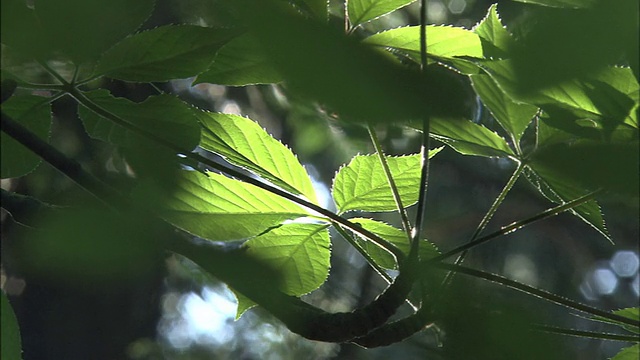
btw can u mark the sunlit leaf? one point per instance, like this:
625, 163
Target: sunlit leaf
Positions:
496, 40
362, 185
11, 342
630, 353
513, 117
244, 143
361, 11
300, 252
240, 62
469, 138
34, 113
85, 29
393, 235
560, 190
164, 53
164, 116
216, 207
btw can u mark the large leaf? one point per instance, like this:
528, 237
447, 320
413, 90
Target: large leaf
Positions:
560, 190
240, 62
164, 53
611, 94
21, 31
361, 11
326, 65
85, 29
629, 353
362, 184
11, 341
244, 143
513, 117
164, 116
32, 112
469, 138
219, 208
393, 235
300, 252
496, 40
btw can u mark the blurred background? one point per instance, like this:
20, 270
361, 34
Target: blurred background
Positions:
172, 310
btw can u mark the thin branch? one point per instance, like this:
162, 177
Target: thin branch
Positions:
535, 292
406, 225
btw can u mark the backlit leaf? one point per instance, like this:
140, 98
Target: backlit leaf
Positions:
496, 40
300, 252
362, 185
629, 353
216, 207
469, 138
34, 113
244, 143
164, 116
164, 53
240, 62
361, 11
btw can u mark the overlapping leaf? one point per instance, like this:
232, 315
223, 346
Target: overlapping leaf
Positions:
297, 250
32, 112
513, 117
164, 116
215, 207
164, 53
362, 185
469, 138
240, 62
361, 11
632, 313
496, 40
395, 236
244, 143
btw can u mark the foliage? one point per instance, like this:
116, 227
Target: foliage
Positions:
573, 137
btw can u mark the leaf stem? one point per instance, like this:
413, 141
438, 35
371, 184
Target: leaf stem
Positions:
406, 225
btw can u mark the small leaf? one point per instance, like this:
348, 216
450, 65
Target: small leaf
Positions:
496, 40
560, 190
395, 236
629, 353
244, 143
85, 29
513, 117
362, 185
11, 342
300, 252
469, 138
240, 62
216, 207
164, 53
361, 11
244, 304
32, 112
164, 116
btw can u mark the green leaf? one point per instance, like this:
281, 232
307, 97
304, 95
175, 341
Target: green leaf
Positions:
496, 40
361, 11
165, 116
319, 8
164, 53
20, 30
32, 112
513, 117
244, 143
240, 62
395, 236
300, 252
570, 4
11, 342
322, 63
244, 304
630, 353
630, 313
610, 94
362, 185
85, 29
443, 41
560, 190
469, 138
215, 207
